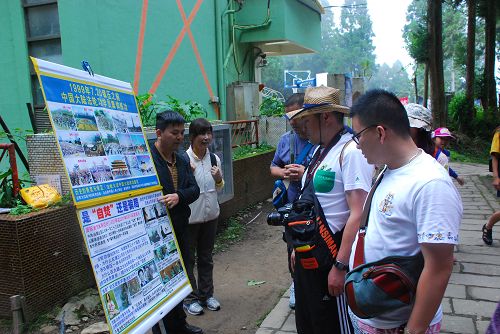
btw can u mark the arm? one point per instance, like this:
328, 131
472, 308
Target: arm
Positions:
435, 275
454, 175
336, 278
494, 163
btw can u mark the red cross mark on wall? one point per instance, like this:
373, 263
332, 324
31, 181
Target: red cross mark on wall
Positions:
173, 50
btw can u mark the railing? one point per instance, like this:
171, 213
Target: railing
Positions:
244, 132
11, 148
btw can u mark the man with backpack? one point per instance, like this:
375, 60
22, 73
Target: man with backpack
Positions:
292, 154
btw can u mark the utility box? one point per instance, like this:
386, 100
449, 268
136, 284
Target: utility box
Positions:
242, 101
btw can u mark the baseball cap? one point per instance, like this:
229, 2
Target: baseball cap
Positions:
419, 116
442, 132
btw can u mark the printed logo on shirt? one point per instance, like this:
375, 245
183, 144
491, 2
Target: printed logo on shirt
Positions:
385, 205
324, 180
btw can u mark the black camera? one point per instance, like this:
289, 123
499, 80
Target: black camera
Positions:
299, 210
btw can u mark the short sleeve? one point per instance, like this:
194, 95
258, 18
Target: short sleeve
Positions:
438, 212
495, 143
356, 171
281, 149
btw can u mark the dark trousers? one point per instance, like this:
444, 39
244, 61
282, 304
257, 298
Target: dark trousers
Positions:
201, 239
176, 318
316, 312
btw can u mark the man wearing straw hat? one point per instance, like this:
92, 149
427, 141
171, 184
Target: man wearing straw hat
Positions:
339, 177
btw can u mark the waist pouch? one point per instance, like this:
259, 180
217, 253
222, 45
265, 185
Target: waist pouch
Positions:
375, 288
315, 247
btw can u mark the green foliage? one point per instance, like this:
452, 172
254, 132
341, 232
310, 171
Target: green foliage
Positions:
271, 106
392, 78
149, 107
457, 111
482, 124
246, 151
7, 198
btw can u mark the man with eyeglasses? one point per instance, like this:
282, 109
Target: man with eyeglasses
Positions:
340, 178
415, 208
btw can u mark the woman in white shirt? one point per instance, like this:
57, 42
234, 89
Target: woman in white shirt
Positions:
203, 220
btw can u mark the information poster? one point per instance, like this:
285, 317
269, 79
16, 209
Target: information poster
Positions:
98, 131
114, 184
135, 258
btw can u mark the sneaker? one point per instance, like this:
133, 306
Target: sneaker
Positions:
193, 308
212, 304
291, 302
487, 235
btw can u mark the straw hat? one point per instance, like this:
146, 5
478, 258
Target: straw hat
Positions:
319, 100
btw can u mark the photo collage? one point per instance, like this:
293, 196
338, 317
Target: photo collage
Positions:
166, 261
100, 145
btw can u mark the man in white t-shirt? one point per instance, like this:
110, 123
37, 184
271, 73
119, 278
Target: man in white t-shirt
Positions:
415, 208
341, 178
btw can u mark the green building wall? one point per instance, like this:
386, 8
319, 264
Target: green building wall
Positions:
106, 34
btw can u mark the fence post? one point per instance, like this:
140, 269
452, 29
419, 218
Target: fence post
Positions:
16, 306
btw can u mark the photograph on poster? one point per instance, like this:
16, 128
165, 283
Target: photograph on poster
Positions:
160, 253
133, 122
139, 144
125, 143
100, 169
145, 164
63, 118
153, 235
111, 304
111, 143
104, 120
119, 122
70, 143
161, 209
164, 230
134, 286
171, 246
122, 296
85, 119
150, 270
149, 212
92, 143
79, 171
119, 167
133, 165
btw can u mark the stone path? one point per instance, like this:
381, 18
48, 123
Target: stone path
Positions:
474, 288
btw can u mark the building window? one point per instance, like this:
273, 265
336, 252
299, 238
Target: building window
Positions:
43, 36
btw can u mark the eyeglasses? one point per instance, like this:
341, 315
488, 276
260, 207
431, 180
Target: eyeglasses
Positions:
356, 136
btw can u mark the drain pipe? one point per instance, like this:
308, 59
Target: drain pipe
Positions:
221, 79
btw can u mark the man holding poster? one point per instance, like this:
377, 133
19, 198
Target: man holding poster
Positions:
179, 190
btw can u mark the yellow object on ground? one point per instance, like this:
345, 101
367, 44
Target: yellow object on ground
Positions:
40, 196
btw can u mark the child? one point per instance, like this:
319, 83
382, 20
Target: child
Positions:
495, 168
441, 138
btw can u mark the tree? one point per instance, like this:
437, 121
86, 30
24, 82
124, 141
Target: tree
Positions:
435, 28
471, 63
391, 78
488, 10
416, 36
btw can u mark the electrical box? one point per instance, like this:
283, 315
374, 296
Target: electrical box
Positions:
242, 101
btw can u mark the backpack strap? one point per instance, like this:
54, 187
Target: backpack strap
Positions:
302, 156
213, 159
341, 158
292, 147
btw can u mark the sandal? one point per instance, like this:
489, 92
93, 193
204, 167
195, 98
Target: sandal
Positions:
487, 235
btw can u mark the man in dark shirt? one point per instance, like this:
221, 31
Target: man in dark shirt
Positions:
179, 190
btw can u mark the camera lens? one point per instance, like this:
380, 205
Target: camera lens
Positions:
274, 219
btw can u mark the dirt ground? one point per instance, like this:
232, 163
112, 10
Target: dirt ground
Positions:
260, 256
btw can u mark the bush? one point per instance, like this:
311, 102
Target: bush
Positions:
271, 106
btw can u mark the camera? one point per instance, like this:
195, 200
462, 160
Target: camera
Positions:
299, 210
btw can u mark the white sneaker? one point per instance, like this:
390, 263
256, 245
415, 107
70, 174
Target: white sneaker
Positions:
193, 308
291, 303
212, 304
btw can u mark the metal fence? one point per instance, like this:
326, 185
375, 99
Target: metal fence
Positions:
244, 133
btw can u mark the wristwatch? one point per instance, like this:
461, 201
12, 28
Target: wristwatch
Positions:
340, 265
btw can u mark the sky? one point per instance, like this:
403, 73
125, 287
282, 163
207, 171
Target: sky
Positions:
388, 19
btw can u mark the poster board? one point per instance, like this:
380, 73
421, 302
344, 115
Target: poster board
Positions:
129, 237
98, 132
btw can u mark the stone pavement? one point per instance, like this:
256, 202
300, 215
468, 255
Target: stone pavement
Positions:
474, 287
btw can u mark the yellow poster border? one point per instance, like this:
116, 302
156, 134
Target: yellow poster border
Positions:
104, 199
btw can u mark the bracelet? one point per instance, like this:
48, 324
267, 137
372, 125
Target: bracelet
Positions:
219, 184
